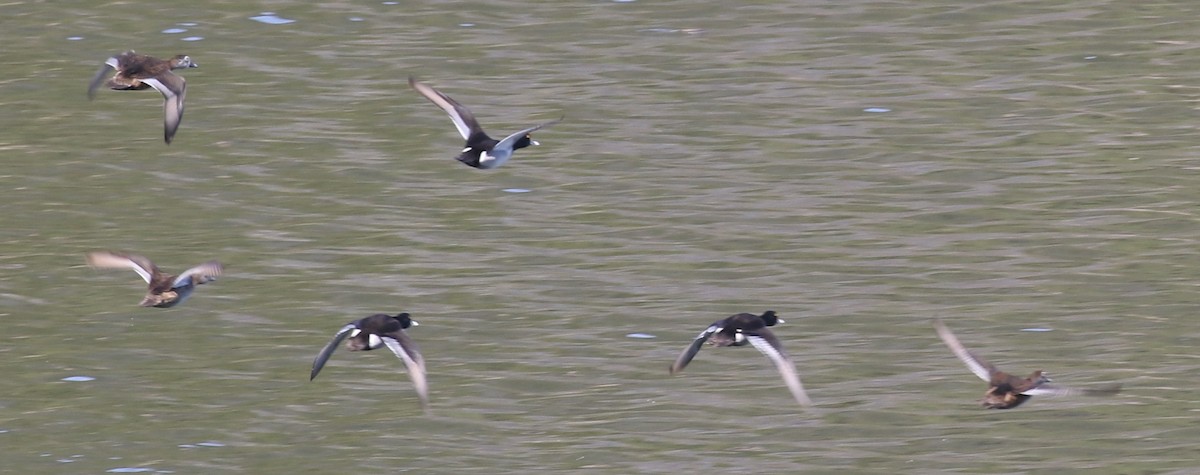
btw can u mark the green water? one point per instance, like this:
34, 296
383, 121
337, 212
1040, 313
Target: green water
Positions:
859, 167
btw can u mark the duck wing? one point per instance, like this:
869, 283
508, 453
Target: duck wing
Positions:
508, 142
118, 260
406, 350
1056, 390
977, 365
766, 343
462, 117
327, 351
173, 88
201, 274
110, 65
692, 349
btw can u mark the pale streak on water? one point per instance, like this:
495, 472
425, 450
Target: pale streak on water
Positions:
1035, 168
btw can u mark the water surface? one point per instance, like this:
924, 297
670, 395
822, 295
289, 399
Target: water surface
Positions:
859, 167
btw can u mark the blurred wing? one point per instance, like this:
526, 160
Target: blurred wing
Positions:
1054, 390
692, 349
109, 66
508, 142
766, 343
112, 260
201, 274
328, 350
403, 347
173, 89
1110, 389
977, 365
400, 340
1048, 390
463, 120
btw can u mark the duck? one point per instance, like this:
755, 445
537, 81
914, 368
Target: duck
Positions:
139, 71
164, 290
748, 329
1006, 391
481, 151
373, 332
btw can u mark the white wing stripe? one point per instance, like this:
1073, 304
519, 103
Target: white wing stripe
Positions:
961, 352
786, 369
416, 370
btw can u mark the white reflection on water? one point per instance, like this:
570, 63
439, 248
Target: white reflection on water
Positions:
271, 19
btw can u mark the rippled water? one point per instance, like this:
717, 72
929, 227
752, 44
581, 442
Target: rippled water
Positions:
859, 167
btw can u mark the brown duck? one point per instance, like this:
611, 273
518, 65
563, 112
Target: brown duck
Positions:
138, 71
165, 290
1006, 391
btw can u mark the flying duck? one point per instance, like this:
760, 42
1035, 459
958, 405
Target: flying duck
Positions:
373, 332
1006, 391
138, 71
481, 151
165, 290
747, 328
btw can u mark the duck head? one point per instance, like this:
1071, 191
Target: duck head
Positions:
525, 141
